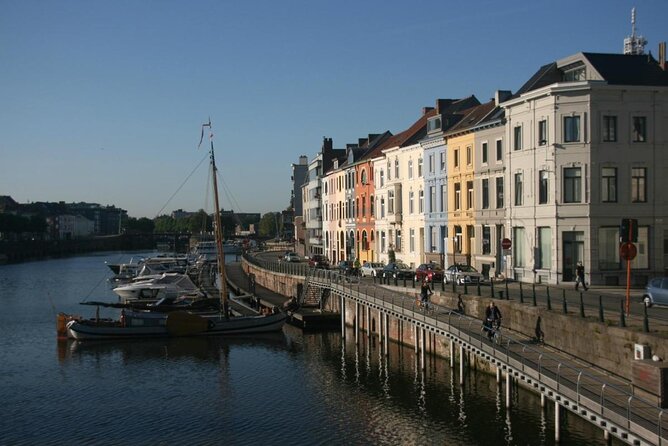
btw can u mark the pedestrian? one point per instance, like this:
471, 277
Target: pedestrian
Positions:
492, 319
540, 336
580, 276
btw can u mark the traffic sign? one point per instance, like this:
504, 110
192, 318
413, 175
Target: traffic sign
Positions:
506, 243
628, 251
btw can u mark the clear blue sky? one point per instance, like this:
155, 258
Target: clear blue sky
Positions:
102, 101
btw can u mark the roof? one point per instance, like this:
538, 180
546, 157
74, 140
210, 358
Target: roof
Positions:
615, 69
473, 117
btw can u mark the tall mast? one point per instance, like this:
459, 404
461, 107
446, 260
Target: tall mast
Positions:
219, 233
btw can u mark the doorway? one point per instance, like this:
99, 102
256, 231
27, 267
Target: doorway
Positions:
573, 253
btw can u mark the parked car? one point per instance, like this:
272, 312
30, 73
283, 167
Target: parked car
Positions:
398, 270
318, 261
429, 271
347, 268
372, 269
291, 257
463, 274
656, 292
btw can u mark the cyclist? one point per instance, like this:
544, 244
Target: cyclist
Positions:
425, 292
492, 320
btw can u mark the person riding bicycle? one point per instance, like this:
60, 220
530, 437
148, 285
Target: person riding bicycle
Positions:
492, 319
425, 292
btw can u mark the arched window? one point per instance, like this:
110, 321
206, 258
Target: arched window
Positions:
363, 176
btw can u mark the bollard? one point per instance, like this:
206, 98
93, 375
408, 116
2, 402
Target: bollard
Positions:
507, 293
533, 293
622, 319
454, 284
443, 283
521, 294
466, 287
582, 306
645, 321
491, 288
601, 316
396, 280
564, 304
549, 301
413, 279
405, 282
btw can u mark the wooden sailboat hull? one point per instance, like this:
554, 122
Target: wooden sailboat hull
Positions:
179, 323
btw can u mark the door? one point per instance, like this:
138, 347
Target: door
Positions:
573, 253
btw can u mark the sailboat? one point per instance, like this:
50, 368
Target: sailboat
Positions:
134, 324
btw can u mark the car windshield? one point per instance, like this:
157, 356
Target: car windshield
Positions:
376, 265
401, 265
434, 268
467, 269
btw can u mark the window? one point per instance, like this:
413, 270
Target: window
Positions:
434, 124
499, 150
519, 249
518, 189
371, 205
484, 153
575, 74
517, 137
486, 239
571, 128
442, 156
382, 178
432, 165
397, 240
363, 206
432, 198
542, 132
458, 196
390, 202
609, 184
639, 185
410, 169
456, 160
419, 167
572, 185
411, 195
608, 248
396, 168
485, 193
444, 198
411, 240
389, 170
543, 187
382, 207
421, 202
469, 155
544, 260
364, 177
499, 192
382, 241
609, 128
469, 195
639, 129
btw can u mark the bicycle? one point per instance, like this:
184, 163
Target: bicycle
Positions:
493, 330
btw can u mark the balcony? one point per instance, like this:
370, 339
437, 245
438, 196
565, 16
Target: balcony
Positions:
394, 218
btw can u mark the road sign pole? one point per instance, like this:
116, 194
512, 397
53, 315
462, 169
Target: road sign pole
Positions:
628, 286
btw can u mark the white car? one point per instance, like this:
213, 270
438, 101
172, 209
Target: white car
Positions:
371, 269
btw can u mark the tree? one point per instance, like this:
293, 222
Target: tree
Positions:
142, 225
268, 224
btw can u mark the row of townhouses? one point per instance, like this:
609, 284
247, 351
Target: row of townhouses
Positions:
552, 168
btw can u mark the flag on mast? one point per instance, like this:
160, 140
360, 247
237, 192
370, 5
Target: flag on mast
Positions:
201, 138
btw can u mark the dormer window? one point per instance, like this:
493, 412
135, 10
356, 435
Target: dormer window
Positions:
434, 124
575, 72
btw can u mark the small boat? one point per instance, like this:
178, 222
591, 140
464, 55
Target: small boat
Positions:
136, 324
155, 288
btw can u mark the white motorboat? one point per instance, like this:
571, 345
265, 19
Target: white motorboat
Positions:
153, 288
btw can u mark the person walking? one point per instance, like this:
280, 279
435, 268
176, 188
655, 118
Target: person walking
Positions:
492, 319
580, 276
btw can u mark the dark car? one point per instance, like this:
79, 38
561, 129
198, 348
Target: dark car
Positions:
347, 267
318, 261
429, 271
463, 274
398, 270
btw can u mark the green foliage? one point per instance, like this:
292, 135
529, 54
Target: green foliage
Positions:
10, 223
141, 225
391, 256
268, 225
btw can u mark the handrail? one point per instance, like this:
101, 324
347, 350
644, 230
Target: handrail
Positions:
448, 320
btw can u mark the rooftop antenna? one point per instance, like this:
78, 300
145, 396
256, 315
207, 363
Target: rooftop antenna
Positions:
633, 44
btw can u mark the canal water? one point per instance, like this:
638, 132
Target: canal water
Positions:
289, 388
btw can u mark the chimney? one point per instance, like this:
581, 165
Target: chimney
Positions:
426, 110
662, 55
361, 142
303, 160
327, 145
442, 104
501, 96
